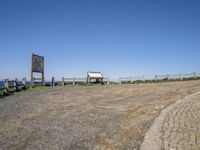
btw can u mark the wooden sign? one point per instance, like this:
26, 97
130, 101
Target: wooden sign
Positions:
37, 65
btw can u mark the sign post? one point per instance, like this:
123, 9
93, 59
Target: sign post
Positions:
37, 65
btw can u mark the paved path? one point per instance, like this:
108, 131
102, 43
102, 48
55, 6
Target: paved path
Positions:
177, 127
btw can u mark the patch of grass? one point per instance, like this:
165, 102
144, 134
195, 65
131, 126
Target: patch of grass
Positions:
38, 88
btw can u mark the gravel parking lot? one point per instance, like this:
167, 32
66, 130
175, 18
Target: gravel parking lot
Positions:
86, 117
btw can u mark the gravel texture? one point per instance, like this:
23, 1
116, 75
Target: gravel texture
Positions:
85, 117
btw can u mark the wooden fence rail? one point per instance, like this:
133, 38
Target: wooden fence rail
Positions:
13, 85
74, 81
131, 79
161, 77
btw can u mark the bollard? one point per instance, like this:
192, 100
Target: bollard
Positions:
120, 82
52, 82
63, 81
131, 80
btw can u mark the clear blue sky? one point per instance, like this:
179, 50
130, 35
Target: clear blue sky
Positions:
116, 37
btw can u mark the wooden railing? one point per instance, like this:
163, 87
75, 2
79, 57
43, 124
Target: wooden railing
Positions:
160, 77
74, 81
10, 86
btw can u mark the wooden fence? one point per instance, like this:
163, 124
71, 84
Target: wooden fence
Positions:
10, 86
160, 77
35, 80
74, 81
14, 85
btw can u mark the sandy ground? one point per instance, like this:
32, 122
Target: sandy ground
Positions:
86, 117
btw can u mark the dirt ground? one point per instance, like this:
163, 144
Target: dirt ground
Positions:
86, 117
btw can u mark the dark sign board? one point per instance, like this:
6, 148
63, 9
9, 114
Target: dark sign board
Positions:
37, 63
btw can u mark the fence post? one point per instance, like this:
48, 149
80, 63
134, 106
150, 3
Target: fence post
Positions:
43, 82
33, 81
120, 82
156, 77
74, 80
167, 76
24, 83
63, 81
108, 81
16, 84
131, 80
6, 85
143, 78
181, 77
85, 80
194, 75
53, 82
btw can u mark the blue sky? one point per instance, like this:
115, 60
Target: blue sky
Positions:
116, 37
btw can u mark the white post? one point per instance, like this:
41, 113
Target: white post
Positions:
16, 84
63, 81
194, 75
24, 81
156, 77
143, 78
167, 76
120, 82
6, 85
74, 80
181, 77
108, 81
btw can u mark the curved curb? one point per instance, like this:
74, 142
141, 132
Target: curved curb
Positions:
152, 139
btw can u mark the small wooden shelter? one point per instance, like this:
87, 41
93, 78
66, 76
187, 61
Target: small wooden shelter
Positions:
97, 76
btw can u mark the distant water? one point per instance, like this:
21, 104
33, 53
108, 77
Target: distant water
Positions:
1, 83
